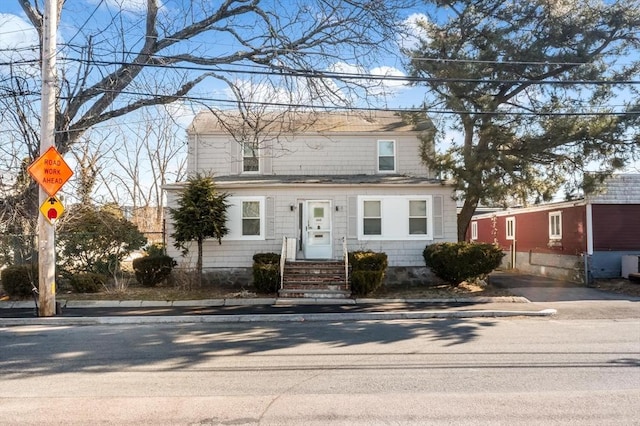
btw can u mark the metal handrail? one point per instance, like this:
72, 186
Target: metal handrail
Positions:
283, 259
345, 254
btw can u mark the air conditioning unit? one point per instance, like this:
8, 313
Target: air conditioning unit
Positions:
630, 265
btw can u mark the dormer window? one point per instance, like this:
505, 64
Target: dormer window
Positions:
386, 156
250, 158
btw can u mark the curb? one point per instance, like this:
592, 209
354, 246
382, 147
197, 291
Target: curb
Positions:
26, 304
187, 319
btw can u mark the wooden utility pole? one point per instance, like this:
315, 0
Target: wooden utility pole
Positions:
46, 230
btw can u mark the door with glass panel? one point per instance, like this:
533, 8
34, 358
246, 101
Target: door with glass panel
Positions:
317, 230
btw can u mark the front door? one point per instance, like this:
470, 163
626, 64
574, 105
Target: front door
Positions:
316, 233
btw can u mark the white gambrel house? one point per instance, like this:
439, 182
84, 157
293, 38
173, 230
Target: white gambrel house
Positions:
353, 178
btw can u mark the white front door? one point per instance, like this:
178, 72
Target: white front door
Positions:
316, 233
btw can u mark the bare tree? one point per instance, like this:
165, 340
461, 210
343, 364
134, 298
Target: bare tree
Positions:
151, 155
118, 61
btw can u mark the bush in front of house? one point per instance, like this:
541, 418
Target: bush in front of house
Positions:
18, 280
367, 271
266, 272
152, 270
462, 261
87, 282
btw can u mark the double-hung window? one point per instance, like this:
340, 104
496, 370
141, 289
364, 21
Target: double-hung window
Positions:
386, 156
246, 218
250, 158
555, 225
511, 228
418, 217
474, 230
250, 218
371, 218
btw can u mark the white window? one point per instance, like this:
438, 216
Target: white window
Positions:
474, 230
418, 217
250, 158
395, 217
246, 218
371, 218
555, 225
386, 156
511, 228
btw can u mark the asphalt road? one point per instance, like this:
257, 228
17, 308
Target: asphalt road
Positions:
441, 371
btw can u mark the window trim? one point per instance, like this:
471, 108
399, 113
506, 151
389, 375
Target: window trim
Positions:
235, 218
552, 216
474, 230
395, 157
510, 235
394, 210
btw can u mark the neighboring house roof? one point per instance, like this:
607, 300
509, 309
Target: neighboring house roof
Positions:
306, 122
300, 180
618, 189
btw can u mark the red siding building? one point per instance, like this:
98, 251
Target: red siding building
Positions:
576, 240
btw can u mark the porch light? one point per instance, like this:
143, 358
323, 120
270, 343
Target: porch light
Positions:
292, 207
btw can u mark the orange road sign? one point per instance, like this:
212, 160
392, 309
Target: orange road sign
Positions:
50, 171
52, 209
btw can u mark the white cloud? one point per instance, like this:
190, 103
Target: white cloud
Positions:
133, 6
413, 31
18, 42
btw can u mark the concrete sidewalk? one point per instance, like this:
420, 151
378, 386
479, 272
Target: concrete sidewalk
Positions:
268, 310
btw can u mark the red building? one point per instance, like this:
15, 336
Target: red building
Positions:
575, 240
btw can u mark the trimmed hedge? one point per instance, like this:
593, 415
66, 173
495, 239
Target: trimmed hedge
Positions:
18, 280
152, 270
367, 271
461, 261
87, 282
266, 272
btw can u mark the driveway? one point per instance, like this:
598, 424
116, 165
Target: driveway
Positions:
544, 289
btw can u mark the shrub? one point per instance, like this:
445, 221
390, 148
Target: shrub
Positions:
367, 271
457, 262
18, 280
266, 272
152, 270
87, 282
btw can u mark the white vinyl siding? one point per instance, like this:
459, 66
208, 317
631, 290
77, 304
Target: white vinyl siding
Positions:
395, 217
246, 218
386, 156
555, 225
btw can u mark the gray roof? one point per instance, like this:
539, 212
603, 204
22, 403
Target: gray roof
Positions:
618, 189
320, 180
303, 122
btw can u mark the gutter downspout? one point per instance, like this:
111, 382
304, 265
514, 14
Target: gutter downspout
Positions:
589, 252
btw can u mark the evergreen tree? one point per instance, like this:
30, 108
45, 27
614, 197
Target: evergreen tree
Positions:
201, 214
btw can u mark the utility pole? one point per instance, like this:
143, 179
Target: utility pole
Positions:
46, 230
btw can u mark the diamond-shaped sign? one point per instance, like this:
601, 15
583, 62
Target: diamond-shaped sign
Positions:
50, 171
52, 209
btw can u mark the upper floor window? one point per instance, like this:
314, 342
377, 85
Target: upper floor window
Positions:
418, 217
250, 158
386, 156
555, 225
511, 228
371, 218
